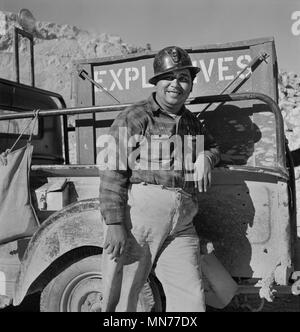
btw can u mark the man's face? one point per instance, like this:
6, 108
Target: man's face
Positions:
174, 88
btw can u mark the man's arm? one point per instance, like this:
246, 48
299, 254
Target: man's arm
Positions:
206, 162
114, 182
211, 148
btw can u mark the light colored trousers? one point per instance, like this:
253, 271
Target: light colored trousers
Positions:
160, 235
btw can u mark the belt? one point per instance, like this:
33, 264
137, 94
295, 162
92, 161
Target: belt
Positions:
175, 189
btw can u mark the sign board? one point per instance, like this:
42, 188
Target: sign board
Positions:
126, 78
128, 81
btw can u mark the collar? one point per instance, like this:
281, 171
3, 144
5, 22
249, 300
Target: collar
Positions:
155, 108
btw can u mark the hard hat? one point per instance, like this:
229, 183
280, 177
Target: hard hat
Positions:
169, 59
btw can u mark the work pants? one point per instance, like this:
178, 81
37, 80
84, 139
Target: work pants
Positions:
161, 234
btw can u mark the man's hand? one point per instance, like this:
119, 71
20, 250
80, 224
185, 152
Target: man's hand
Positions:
115, 241
202, 173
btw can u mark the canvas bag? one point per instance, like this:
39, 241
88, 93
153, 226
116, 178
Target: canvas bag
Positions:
17, 216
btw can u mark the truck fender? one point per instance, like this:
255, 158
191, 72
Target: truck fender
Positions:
79, 224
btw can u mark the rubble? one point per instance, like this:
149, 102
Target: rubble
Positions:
289, 103
56, 46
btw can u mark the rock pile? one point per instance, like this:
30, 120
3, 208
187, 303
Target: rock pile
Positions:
289, 103
56, 46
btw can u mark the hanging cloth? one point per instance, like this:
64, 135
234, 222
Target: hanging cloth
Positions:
17, 216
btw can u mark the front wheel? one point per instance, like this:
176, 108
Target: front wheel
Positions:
79, 289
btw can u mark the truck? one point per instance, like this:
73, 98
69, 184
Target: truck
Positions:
248, 215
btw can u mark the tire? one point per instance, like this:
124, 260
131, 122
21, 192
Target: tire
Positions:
79, 289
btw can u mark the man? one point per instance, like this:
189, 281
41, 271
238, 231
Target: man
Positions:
148, 201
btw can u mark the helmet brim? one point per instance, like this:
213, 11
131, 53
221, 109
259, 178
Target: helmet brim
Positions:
154, 79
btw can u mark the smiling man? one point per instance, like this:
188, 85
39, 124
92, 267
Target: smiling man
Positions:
148, 211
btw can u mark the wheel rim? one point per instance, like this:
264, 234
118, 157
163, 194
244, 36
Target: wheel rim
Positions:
83, 294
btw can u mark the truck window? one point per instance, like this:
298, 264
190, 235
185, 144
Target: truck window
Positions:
15, 126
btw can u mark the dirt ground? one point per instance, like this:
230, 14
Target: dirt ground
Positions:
240, 303
30, 304
252, 303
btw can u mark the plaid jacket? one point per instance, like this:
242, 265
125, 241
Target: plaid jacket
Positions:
140, 123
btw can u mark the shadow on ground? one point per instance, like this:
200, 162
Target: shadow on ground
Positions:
252, 303
30, 304
240, 303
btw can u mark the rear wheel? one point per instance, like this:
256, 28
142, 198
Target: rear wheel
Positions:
79, 289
